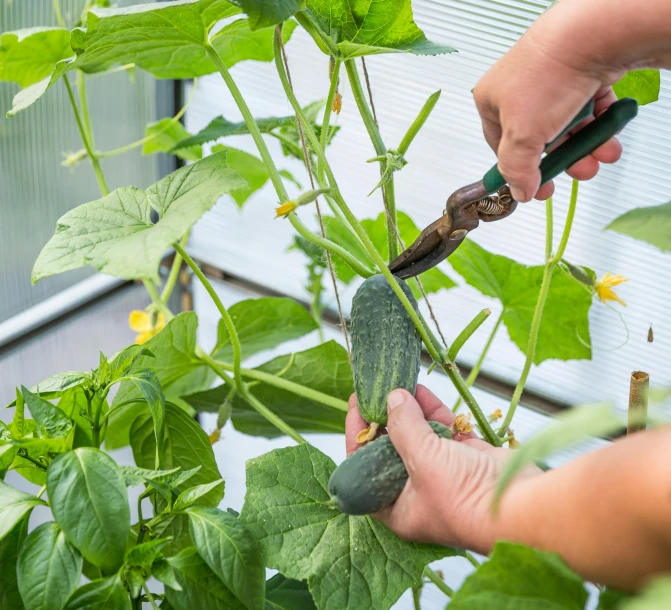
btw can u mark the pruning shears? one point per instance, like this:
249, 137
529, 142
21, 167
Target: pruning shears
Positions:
489, 199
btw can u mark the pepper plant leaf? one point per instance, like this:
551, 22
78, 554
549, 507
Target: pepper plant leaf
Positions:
232, 553
432, 281
49, 568
9, 554
14, 505
348, 562
367, 28
642, 85
649, 224
51, 421
88, 499
75, 405
168, 39
517, 576
283, 593
104, 594
116, 235
568, 429
264, 13
324, 368
564, 328
178, 369
262, 324
200, 586
186, 446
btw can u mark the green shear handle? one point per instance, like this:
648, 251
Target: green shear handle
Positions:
579, 145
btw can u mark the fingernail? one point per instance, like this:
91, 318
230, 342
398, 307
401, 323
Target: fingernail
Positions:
395, 399
518, 194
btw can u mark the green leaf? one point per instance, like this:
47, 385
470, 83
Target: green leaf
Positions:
189, 496
186, 446
366, 28
75, 406
569, 428
642, 85
49, 568
324, 368
179, 372
57, 385
231, 552
165, 135
564, 328
169, 39
163, 572
88, 499
611, 599
143, 555
14, 505
10, 599
251, 168
201, 587
28, 96
656, 595
649, 224
264, 13
432, 280
519, 577
51, 421
116, 235
105, 594
30, 55
262, 324
349, 562
285, 594
132, 475
149, 386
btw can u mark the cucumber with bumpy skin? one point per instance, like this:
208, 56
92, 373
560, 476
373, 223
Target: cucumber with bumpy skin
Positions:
372, 477
386, 346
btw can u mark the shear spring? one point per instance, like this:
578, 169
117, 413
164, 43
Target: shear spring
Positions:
490, 205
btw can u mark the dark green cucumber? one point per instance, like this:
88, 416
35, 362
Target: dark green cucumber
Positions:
386, 346
372, 477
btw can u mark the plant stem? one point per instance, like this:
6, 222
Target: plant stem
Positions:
329, 245
59, 15
436, 580
467, 333
157, 300
475, 371
416, 595
233, 334
23, 453
174, 271
291, 386
432, 345
335, 76
472, 560
274, 419
380, 150
141, 141
550, 264
275, 177
102, 184
150, 597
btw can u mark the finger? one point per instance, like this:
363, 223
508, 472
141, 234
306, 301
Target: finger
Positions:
432, 407
519, 157
609, 152
354, 424
409, 431
546, 191
585, 169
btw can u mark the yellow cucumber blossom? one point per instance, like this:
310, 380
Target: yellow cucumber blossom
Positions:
146, 324
308, 197
495, 416
285, 209
463, 425
337, 103
604, 288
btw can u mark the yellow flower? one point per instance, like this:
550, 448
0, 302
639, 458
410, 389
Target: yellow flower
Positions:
513, 443
215, 436
495, 416
285, 209
337, 103
463, 425
604, 287
146, 324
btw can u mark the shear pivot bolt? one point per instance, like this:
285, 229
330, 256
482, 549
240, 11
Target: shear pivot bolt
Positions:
458, 234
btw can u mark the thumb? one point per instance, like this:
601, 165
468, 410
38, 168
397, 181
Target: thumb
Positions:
519, 157
409, 432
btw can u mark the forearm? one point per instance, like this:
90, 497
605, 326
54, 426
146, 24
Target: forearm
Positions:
608, 514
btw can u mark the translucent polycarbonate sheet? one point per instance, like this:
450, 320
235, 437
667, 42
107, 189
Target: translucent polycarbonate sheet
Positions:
449, 153
35, 190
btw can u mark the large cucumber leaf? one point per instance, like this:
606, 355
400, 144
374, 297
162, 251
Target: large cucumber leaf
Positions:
349, 562
367, 28
564, 329
519, 577
116, 234
264, 13
642, 85
649, 224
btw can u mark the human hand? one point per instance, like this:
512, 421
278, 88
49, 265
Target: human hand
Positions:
447, 498
533, 92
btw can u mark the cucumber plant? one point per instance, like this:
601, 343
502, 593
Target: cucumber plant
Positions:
94, 552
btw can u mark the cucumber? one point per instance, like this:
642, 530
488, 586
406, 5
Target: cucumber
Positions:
372, 477
386, 346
